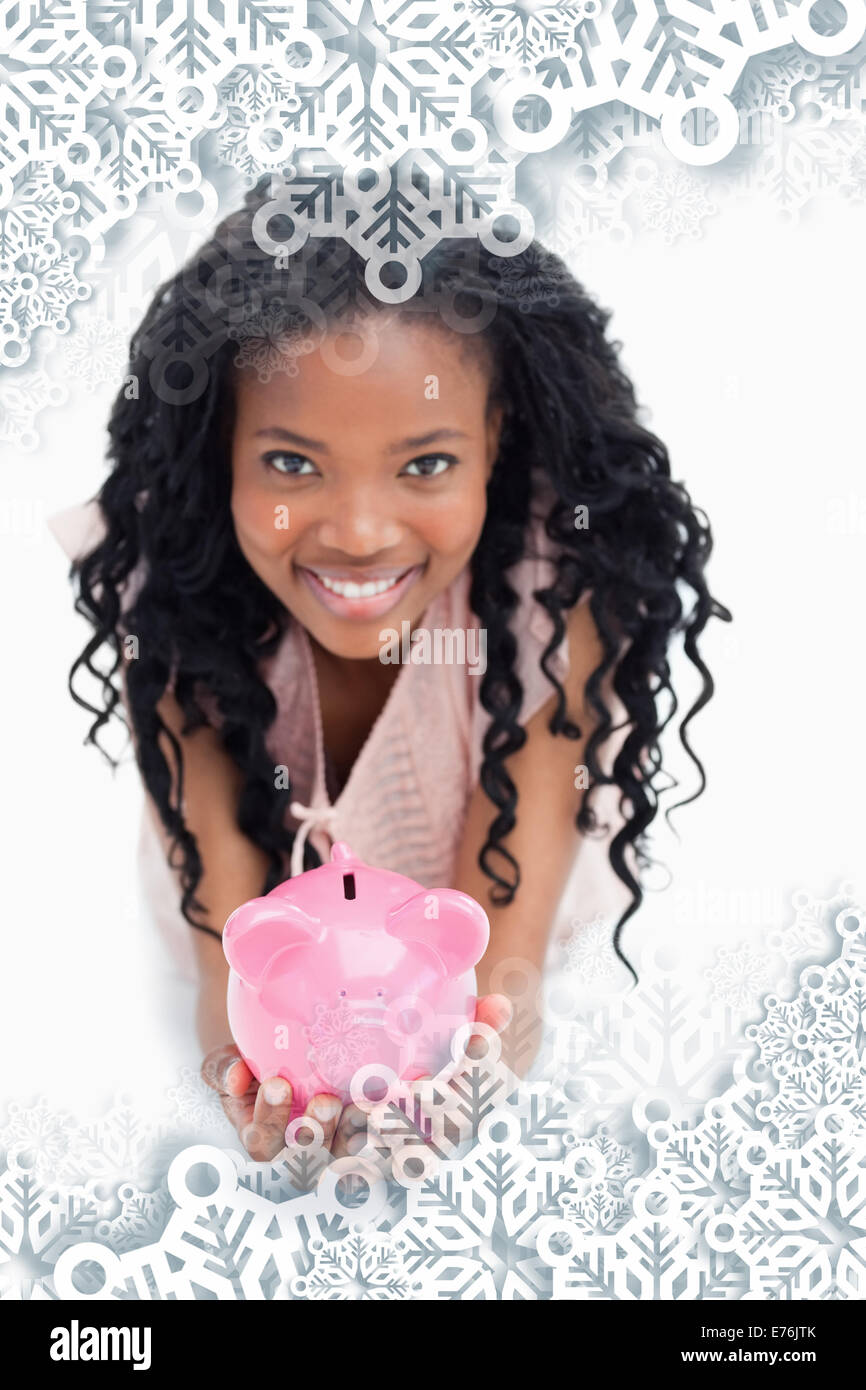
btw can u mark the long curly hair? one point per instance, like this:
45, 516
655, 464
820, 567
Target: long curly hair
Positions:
204, 621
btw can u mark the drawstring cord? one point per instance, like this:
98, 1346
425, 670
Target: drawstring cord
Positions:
309, 816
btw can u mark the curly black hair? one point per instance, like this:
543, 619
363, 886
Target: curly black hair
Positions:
205, 621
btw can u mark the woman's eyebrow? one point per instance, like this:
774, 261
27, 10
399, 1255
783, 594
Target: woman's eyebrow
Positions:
277, 432
416, 441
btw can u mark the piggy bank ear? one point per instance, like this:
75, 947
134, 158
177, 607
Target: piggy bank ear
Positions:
254, 934
453, 925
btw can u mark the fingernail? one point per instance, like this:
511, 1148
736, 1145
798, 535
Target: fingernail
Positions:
276, 1091
326, 1108
230, 1068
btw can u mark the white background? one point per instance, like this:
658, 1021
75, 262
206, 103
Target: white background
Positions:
745, 346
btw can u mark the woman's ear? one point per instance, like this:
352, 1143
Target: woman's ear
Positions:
494, 432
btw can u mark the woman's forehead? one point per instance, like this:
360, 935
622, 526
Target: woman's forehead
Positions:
391, 367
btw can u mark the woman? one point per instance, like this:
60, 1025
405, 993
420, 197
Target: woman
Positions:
323, 471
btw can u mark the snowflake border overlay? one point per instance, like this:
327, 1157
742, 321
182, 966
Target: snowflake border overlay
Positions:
570, 1186
393, 123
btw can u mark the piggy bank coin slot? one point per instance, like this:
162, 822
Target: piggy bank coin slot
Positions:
348, 886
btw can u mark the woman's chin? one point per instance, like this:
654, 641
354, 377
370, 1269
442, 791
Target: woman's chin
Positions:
350, 647
360, 641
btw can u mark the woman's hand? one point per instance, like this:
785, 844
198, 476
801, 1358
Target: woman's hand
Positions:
260, 1113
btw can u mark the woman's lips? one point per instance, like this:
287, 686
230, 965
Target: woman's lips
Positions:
359, 607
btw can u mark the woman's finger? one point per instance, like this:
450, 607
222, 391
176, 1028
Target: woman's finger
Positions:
264, 1134
351, 1135
225, 1071
326, 1110
494, 1010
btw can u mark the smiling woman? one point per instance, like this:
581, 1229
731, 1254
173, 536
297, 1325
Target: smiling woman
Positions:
271, 506
376, 527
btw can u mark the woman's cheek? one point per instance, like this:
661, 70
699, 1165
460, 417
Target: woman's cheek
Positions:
449, 530
264, 523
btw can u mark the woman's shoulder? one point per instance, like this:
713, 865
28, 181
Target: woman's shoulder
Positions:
79, 529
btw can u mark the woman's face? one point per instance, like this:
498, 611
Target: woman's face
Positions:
358, 497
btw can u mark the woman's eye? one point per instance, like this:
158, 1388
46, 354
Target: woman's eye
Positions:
430, 465
294, 465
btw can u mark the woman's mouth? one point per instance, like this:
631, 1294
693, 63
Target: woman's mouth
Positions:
369, 594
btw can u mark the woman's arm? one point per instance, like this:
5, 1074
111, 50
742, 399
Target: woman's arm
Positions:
233, 868
233, 871
544, 840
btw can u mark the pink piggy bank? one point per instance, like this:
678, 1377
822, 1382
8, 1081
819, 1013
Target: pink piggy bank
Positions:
347, 967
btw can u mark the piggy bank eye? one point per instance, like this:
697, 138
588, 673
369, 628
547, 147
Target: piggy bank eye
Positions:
342, 993
380, 993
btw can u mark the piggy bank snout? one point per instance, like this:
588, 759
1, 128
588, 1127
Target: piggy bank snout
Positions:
348, 968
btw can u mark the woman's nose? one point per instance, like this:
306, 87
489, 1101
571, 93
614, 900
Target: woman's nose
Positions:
357, 528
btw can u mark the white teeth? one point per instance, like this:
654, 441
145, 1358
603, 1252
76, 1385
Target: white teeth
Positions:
347, 589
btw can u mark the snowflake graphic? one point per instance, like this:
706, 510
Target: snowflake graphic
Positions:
272, 339
739, 976
34, 203
56, 1148
22, 396
394, 123
38, 1138
852, 174
768, 82
801, 162
36, 1225
525, 279
38, 282
588, 205
762, 1198
602, 1168
260, 103
805, 936
196, 1104
742, 1176
588, 950
785, 1036
142, 1220
362, 1265
836, 84
96, 353
338, 1039
523, 34
675, 204
38, 288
